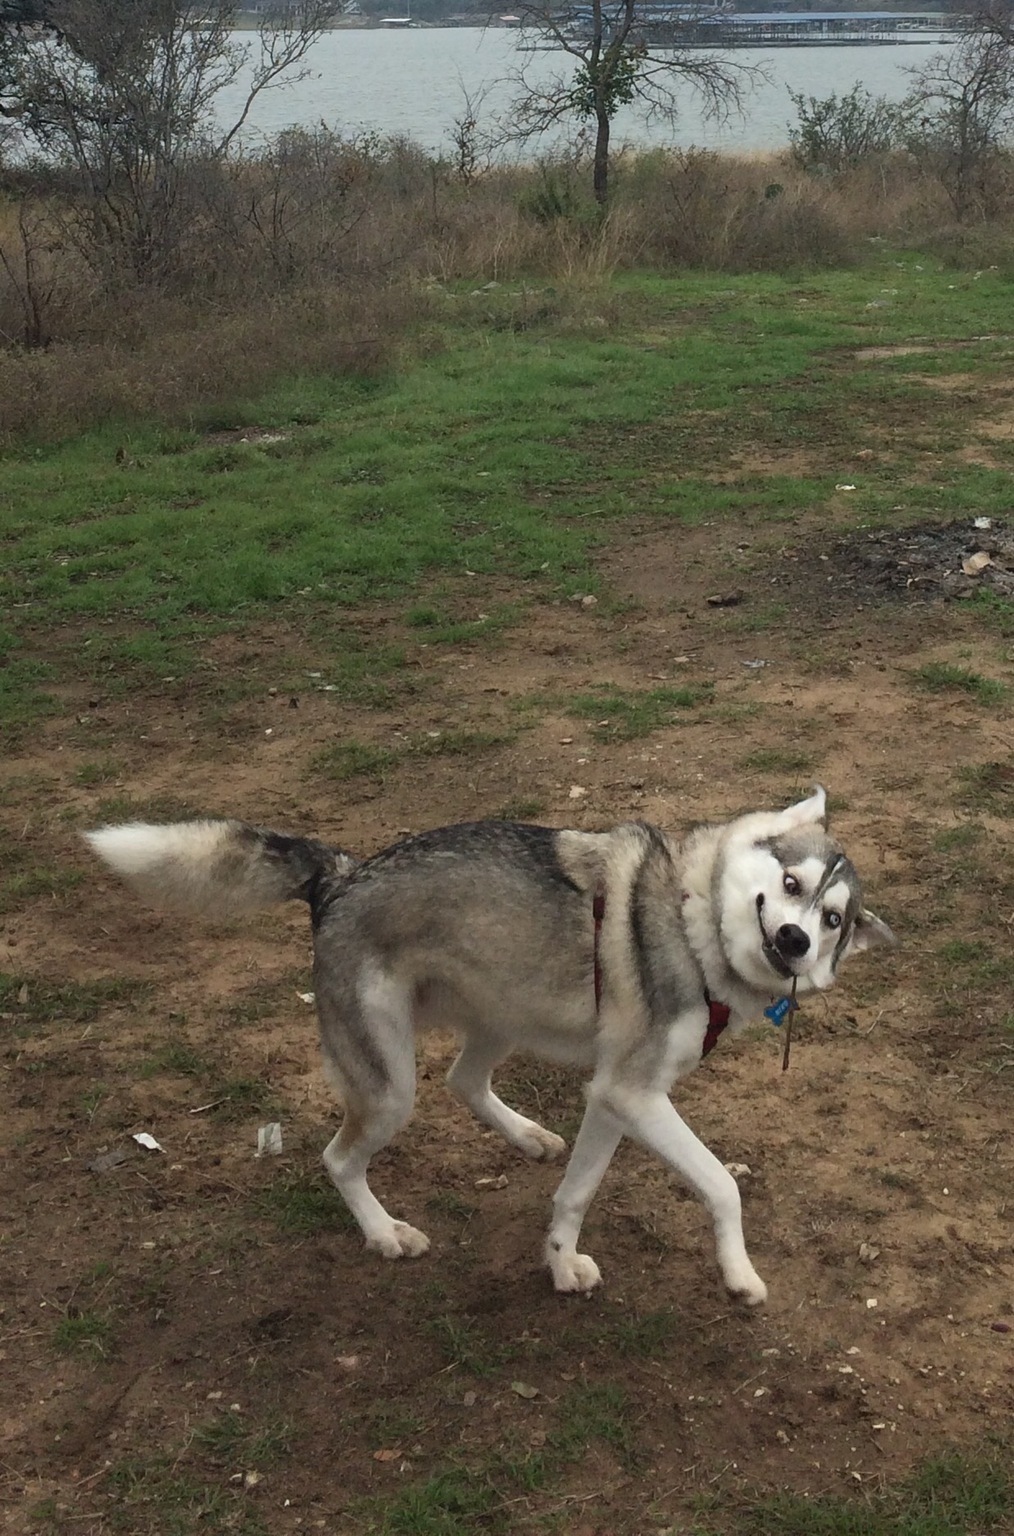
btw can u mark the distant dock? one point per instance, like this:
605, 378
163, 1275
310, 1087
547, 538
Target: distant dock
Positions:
658, 24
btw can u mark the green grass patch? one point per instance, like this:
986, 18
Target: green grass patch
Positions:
466, 1347
126, 807
626, 714
436, 627
987, 788
950, 1496
177, 1058
34, 1001
647, 1337
960, 838
237, 1098
977, 963
460, 1500
779, 760
453, 1502
388, 1424
103, 771
595, 1411
156, 1496
35, 882
457, 743
233, 1440
304, 1205
348, 760
962, 951
83, 1333
497, 450
942, 677
24, 699
370, 675
449, 1203
757, 620
997, 610
521, 808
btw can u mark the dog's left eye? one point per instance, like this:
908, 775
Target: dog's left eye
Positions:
832, 919
792, 886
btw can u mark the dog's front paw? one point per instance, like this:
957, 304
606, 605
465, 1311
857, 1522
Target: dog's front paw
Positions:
536, 1142
574, 1272
401, 1242
747, 1286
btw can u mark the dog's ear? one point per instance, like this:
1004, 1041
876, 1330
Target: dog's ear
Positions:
806, 812
870, 932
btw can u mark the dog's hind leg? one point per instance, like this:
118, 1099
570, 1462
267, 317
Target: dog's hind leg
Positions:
649, 1118
469, 1080
369, 1054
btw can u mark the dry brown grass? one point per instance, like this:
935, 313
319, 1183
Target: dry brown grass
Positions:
180, 363
313, 256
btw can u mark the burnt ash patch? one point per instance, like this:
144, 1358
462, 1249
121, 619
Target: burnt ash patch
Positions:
920, 563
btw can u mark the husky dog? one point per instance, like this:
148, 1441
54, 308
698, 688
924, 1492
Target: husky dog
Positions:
625, 952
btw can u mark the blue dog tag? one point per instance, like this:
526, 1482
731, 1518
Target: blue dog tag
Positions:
779, 1011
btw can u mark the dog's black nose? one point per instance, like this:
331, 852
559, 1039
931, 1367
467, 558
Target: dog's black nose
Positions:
792, 941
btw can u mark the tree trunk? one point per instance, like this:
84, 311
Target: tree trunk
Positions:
601, 182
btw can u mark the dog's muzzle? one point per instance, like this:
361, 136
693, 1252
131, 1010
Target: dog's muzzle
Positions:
789, 944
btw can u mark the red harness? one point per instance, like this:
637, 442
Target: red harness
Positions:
718, 1013
598, 913
718, 1017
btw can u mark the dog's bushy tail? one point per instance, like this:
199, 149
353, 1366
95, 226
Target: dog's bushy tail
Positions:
220, 868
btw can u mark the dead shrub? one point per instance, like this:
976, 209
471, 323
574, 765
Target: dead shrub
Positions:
710, 211
318, 251
186, 363
43, 286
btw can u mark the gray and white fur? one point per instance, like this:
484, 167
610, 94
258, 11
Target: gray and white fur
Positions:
488, 928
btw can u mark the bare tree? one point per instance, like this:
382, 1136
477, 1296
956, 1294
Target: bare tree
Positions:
962, 105
619, 54
16, 17
124, 94
472, 144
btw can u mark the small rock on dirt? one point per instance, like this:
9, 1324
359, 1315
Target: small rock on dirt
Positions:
108, 1160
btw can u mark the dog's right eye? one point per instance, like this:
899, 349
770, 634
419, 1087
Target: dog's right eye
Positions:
792, 886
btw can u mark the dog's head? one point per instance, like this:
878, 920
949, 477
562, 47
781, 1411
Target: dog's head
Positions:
789, 901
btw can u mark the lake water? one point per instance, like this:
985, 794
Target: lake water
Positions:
414, 82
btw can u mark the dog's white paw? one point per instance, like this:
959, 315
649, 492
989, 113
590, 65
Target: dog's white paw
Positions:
747, 1286
401, 1242
574, 1272
538, 1143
